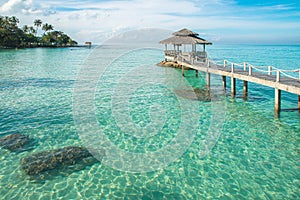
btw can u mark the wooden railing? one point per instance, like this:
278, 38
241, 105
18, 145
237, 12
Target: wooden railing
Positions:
194, 55
171, 53
269, 70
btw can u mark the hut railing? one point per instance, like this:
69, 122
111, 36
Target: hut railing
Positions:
171, 53
201, 54
184, 59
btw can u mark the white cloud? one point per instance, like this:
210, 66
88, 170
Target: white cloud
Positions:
15, 6
97, 20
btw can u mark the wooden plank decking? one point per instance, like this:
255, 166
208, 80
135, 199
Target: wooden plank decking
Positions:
285, 83
247, 74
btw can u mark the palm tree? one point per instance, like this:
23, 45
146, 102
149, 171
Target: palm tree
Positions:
47, 27
13, 20
26, 28
32, 30
37, 23
29, 29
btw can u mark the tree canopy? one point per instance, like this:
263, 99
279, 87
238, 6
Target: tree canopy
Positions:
11, 36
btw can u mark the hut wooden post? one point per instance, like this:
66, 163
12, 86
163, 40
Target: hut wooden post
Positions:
175, 50
182, 70
196, 73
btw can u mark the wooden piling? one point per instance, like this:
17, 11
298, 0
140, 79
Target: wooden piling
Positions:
299, 103
196, 73
182, 70
233, 88
245, 88
278, 76
224, 82
277, 102
208, 81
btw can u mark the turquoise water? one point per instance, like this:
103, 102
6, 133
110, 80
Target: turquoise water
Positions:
255, 156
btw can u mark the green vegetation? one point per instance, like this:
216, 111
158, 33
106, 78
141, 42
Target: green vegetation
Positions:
11, 36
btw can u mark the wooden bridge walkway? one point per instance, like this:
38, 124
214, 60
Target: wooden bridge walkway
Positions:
280, 80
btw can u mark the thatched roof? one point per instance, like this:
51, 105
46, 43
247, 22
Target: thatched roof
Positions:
185, 36
185, 32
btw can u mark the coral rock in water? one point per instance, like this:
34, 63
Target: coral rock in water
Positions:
195, 94
48, 160
16, 142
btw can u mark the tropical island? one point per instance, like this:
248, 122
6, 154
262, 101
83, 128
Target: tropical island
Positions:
12, 36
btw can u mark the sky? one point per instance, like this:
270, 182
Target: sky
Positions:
219, 21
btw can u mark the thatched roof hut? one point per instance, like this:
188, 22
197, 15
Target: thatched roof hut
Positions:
185, 36
182, 38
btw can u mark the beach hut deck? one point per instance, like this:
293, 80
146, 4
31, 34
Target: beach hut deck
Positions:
280, 80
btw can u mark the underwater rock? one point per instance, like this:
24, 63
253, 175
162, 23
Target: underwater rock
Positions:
195, 94
16, 142
54, 159
202, 94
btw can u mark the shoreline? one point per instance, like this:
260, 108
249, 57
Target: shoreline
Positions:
46, 46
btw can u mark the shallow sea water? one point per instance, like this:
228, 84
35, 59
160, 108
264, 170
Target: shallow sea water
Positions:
255, 156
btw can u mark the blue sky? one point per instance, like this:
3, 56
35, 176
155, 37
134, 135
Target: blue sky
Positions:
221, 21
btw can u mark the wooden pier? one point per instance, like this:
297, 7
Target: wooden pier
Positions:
280, 80
267, 76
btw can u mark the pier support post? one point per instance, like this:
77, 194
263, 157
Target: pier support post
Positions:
245, 88
299, 103
182, 70
208, 76
233, 83
277, 101
278, 76
208, 81
196, 73
224, 82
